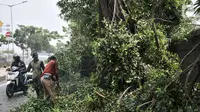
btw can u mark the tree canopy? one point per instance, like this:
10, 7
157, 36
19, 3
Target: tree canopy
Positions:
35, 38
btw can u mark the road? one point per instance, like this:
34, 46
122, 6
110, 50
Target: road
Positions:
9, 103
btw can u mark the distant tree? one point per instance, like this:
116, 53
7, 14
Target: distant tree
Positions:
3, 39
35, 38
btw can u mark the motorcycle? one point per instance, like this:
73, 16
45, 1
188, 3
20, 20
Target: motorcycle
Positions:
13, 81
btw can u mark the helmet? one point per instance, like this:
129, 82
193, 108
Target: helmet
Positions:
16, 57
34, 55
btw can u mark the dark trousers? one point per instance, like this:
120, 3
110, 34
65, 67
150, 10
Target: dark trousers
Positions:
37, 85
21, 79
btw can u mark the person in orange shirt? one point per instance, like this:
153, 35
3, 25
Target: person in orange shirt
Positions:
49, 78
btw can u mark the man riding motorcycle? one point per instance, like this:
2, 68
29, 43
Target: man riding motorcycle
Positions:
21, 68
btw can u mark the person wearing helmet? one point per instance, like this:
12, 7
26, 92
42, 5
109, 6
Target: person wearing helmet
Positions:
37, 67
21, 68
18, 63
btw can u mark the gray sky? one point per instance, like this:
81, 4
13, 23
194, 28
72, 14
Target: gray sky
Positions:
40, 13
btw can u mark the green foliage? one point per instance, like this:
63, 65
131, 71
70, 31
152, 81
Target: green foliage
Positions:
35, 38
34, 105
118, 57
77, 95
136, 72
182, 31
2, 38
82, 26
126, 57
81, 14
169, 10
69, 55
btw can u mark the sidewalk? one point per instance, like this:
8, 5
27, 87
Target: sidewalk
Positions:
2, 74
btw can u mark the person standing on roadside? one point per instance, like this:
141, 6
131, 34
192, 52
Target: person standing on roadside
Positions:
37, 67
49, 78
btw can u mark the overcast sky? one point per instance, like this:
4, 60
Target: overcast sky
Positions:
40, 13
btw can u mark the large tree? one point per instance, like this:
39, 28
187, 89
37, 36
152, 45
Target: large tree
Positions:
129, 40
35, 38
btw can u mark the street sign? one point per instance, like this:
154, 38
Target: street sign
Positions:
1, 23
7, 25
7, 34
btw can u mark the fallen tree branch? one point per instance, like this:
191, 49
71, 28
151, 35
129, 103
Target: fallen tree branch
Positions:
187, 78
190, 52
139, 106
188, 68
177, 76
99, 94
194, 81
164, 20
123, 94
189, 73
114, 11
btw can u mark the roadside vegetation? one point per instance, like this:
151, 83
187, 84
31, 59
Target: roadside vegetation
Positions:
118, 58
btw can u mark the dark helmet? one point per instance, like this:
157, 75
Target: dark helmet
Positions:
16, 57
34, 55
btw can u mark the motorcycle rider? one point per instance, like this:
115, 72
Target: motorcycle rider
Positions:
21, 68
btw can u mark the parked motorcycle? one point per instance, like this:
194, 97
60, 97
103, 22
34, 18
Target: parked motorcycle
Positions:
13, 81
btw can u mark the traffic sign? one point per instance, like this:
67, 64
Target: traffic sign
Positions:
1, 23
7, 25
7, 34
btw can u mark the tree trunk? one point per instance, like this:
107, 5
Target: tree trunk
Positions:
107, 9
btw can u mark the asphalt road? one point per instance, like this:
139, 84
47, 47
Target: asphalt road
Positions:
10, 103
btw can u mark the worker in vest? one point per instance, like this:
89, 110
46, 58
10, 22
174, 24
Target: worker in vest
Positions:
37, 67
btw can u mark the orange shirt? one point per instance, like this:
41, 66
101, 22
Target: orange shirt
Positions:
51, 68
